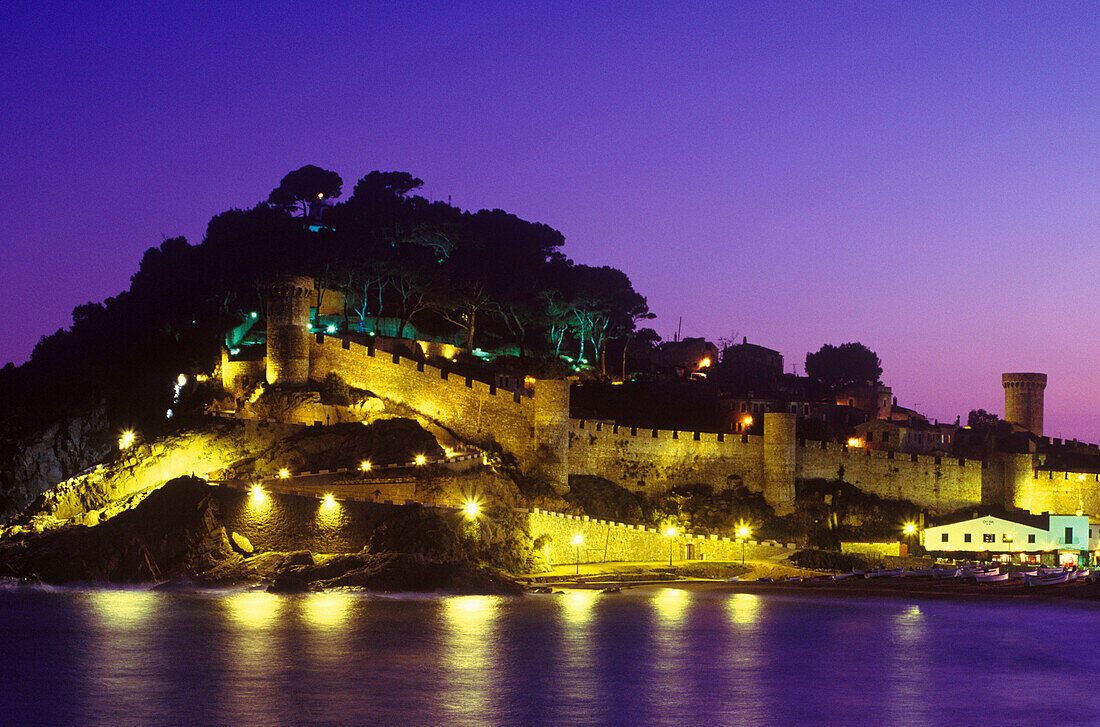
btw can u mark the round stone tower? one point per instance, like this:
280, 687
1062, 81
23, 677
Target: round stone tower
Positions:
1024, 400
288, 302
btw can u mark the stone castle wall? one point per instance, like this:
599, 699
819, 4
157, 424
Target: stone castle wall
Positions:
608, 541
1059, 492
941, 484
533, 427
654, 460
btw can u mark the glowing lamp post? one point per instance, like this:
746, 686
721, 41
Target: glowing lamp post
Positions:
471, 509
743, 534
909, 529
670, 533
420, 460
126, 440
578, 539
365, 465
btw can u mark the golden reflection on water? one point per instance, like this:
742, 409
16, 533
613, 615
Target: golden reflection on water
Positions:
908, 654
744, 608
254, 609
469, 623
577, 606
327, 609
671, 604
127, 609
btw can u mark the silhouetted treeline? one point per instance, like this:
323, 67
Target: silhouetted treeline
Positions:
490, 277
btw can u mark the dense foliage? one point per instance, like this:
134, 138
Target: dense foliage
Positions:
843, 365
489, 278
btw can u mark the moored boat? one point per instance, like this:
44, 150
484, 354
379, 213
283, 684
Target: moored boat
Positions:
1049, 579
991, 577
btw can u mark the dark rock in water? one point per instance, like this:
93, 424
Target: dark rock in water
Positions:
177, 534
412, 572
175, 531
299, 557
287, 583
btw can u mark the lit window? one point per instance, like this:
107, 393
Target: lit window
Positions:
1006, 537
988, 538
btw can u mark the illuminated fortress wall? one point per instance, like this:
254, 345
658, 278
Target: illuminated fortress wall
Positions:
533, 427
604, 540
655, 460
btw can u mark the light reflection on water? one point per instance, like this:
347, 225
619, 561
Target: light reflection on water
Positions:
663, 656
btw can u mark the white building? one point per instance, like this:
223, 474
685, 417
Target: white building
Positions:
1068, 538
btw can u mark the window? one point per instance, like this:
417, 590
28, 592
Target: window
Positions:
943, 537
1031, 537
870, 436
1069, 535
966, 537
988, 538
1006, 537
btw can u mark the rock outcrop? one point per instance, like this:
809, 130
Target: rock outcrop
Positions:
177, 534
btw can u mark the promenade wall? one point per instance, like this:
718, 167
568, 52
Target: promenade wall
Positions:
609, 541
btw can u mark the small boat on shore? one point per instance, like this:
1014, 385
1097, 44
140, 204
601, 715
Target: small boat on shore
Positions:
1049, 579
946, 573
991, 577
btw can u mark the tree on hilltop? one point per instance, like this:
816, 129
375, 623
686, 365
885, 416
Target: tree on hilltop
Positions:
844, 365
302, 187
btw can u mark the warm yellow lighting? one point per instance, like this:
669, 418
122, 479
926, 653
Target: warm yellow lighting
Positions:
471, 509
254, 609
328, 500
742, 532
320, 195
910, 528
578, 539
181, 380
365, 465
202, 377
1079, 513
854, 442
126, 440
284, 473
327, 609
420, 460
670, 532
257, 492
704, 363
448, 452
746, 421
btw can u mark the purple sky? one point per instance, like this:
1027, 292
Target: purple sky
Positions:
923, 180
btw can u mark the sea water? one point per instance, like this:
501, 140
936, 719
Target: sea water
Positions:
645, 657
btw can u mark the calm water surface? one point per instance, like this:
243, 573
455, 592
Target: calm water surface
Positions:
124, 657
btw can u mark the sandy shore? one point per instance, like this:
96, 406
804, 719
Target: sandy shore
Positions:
633, 577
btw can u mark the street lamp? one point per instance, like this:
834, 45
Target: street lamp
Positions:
909, 529
577, 540
670, 533
743, 533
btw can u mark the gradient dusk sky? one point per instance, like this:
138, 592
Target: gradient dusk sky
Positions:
920, 177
